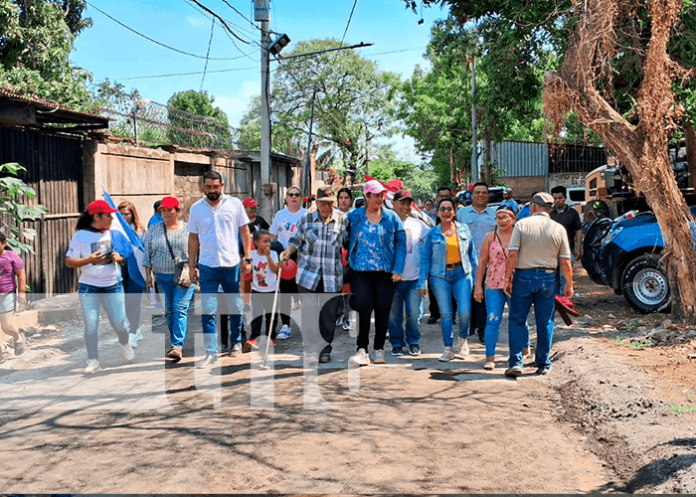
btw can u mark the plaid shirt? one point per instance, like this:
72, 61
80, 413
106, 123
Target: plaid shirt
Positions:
319, 248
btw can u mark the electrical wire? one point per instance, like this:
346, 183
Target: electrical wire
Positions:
240, 29
242, 15
350, 18
210, 42
224, 23
195, 73
153, 40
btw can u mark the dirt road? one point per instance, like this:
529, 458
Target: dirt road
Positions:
414, 425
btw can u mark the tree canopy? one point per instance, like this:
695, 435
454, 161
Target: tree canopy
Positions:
36, 38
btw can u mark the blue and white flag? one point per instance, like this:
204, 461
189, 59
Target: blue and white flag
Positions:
126, 242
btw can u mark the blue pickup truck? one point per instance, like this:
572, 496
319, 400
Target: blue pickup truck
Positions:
625, 255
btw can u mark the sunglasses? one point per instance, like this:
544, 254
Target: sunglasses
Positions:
502, 218
445, 209
294, 195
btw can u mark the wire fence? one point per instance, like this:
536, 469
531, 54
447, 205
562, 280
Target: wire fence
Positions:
155, 124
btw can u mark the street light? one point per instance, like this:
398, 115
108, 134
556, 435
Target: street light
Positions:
277, 46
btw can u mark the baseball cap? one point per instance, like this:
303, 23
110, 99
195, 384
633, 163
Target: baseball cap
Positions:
402, 195
375, 187
325, 194
543, 199
250, 202
169, 203
100, 207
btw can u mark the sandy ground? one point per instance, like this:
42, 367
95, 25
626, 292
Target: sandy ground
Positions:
598, 423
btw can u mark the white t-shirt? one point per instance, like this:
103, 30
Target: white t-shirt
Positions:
416, 232
83, 244
218, 230
264, 280
285, 224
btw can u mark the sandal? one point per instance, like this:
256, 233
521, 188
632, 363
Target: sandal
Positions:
20, 347
489, 366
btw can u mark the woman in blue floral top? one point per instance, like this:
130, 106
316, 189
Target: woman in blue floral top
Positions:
376, 254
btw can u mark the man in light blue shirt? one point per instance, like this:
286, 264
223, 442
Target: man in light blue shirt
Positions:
509, 201
481, 220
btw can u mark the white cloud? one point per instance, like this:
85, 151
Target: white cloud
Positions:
235, 106
196, 21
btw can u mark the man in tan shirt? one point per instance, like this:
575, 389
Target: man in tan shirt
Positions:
538, 245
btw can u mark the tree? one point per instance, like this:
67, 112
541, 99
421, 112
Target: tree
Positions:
199, 122
627, 70
36, 38
12, 189
353, 104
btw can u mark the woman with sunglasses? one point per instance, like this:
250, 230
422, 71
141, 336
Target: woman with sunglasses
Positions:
377, 254
491, 266
448, 264
283, 229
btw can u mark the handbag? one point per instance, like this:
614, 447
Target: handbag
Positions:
182, 276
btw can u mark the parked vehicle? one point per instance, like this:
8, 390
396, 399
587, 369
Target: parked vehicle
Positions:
625, 254
576, 199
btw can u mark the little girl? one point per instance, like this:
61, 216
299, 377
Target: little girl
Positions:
264, 266
11, 267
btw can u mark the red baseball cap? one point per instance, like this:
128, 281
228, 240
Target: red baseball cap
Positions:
169, 203
100, 207
250, 202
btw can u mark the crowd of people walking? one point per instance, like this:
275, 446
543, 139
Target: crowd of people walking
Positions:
380, 260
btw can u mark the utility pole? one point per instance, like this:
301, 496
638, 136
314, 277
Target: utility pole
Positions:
474, 151
262, 15
308, 162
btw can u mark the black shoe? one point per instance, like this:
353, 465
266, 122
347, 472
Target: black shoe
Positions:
432, 320
207, 362
481, 335
325, 357
414, 350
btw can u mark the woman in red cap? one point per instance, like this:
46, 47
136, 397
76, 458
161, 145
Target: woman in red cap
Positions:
166, 244
100, 282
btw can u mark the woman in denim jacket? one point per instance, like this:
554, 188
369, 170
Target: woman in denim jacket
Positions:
376, 254
448, 263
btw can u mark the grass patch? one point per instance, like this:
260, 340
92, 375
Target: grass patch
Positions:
680, 409
620, 341
642, 345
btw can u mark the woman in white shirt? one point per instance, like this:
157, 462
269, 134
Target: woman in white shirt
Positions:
100, 283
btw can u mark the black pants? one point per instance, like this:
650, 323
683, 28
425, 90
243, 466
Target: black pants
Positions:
262, 306
372, 291
315, 303
478, 315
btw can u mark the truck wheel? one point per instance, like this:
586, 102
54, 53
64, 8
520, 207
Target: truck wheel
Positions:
594, 210
646, 286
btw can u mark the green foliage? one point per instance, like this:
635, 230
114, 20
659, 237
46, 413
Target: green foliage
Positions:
680, 409
196, 107
36, 38
642, 345
419, 180
12, 190
354, 104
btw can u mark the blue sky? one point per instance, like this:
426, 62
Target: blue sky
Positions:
108, 50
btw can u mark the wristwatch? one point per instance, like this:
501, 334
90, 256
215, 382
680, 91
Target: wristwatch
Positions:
247, 259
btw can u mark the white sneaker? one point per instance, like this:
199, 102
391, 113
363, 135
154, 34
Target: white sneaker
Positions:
139, 334
360, 358
284, 333
447, 355
379, 357
133, 340
92, 366
128, 352
460, 348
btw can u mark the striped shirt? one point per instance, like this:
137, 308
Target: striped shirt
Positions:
157, 255
319, 251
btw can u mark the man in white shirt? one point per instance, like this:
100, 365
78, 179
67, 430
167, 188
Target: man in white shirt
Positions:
407, 299
214, 224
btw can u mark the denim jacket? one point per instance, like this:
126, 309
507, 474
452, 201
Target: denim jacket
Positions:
433, 256
392, 235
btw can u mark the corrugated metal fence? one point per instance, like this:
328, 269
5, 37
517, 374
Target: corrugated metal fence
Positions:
525, 159
54, 170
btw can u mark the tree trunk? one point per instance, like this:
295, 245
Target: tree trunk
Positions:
690, 135
641, 148
453, 175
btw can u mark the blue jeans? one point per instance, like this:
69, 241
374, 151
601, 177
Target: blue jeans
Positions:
210, 279
112, 299
495, 305
561, 278
134, 295
537, 287
458, 285
406, 296
177, 301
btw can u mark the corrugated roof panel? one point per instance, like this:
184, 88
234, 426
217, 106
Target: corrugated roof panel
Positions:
520, 159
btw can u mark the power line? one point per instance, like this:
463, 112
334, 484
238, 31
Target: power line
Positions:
242, 15
153, 40
210, 42
350, 18
224, 23
195, 73
244, 31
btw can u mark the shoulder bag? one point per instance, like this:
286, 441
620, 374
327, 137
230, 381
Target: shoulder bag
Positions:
181, 271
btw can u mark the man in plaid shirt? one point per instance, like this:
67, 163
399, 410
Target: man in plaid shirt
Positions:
318, 241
